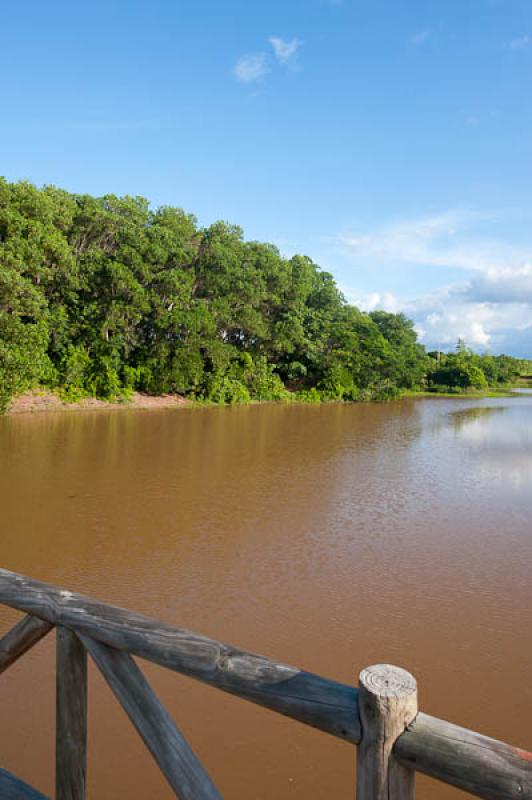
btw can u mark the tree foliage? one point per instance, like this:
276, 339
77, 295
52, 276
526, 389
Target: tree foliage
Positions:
103, 296
464, 369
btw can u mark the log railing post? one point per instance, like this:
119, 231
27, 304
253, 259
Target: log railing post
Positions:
71, 717
387, 705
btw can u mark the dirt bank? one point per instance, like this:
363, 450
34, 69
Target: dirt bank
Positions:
41, 400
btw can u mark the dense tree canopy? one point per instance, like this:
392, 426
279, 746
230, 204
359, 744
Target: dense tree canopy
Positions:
102, 296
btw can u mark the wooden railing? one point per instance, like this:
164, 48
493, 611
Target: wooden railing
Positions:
381, 716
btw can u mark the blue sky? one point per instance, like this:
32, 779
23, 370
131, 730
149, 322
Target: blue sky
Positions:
390, 141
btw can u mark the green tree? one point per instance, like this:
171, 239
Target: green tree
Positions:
103, 295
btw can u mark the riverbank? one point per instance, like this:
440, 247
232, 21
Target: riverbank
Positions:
44, 400
38, 400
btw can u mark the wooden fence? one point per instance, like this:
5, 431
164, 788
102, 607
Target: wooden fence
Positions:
394, 740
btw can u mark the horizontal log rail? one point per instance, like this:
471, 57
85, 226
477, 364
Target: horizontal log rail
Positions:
396, 741
329, 706
468, 760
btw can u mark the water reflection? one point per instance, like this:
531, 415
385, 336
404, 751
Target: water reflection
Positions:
499, 439
466, 415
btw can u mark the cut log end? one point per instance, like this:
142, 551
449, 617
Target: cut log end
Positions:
385, 680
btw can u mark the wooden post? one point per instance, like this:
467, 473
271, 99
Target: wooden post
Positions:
387, 705
181, 767
71, 719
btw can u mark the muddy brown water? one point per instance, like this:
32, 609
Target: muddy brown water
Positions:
327, 537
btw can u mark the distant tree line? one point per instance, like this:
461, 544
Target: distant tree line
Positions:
104, 296
465, 369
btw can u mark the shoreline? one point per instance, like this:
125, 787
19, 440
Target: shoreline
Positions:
508, 391
37, 401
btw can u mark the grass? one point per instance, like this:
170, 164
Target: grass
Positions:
503, 391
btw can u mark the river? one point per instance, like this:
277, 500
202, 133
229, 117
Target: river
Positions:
329, 537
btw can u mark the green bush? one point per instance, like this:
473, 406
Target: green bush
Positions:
226, 389
75, 369
311, 395
23, 357
262, 382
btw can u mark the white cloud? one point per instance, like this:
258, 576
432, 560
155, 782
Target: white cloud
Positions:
284, 51
251, 68
444, 327
444, 316
420, 37
441, 240
491, 308
520, 42
384, 301
254, 67
505, 285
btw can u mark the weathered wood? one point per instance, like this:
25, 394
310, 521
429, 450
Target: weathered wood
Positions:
12, 788
329, 706
182, 769
71, 717
387, 704
21, 638
457, 756
477, 764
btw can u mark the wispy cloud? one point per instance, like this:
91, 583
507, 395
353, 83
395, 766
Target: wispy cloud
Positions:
446, 240
420, 37
251, 68
520, 42
284, 51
